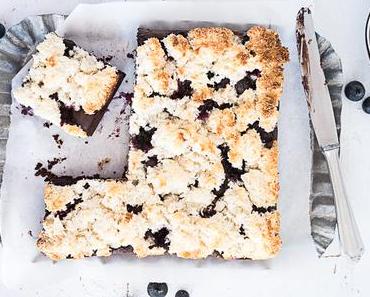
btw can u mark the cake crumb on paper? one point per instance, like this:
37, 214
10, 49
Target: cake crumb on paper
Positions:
58, 140
27, 111
47, 124
55, 161
103, 163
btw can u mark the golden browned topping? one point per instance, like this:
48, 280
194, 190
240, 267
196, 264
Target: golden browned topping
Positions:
203, 161
265, 43
216, 39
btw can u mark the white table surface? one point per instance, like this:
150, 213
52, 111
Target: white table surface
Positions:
340, 21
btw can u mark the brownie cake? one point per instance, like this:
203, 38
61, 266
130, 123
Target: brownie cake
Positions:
68, 86
203, 162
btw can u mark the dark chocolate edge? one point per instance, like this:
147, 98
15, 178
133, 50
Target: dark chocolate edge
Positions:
67, 180
143, 33
129, 250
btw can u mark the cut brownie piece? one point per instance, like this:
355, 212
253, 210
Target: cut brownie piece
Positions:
98, 217
203, 162
68, 86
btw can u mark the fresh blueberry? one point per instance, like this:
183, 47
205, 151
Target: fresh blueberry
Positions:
354, 91
157, 289
366, 105
2, 30
182, 293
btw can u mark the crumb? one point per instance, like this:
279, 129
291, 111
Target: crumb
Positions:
44, 172
86, 142
116, 133
102, 163
106, 59
38, 166
127, 96
52, 163
47, 124
123, 110
27, 111
58, 140
30, 233
117, 122
130, 56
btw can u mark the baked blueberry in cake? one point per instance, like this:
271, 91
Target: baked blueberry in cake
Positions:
68, 86
203, 161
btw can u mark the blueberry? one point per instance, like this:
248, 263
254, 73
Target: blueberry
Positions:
2, 30
366, 105
354, 91
157, 289
182, 293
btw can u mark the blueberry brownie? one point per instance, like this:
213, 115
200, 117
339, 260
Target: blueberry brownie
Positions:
68, 86
203, 162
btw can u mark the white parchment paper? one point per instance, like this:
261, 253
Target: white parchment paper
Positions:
110, 29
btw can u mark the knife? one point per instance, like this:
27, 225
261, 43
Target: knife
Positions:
323, 122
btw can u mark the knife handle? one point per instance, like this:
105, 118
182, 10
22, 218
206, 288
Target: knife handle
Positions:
349, 234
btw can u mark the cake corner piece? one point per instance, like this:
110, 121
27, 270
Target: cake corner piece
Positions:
67, 86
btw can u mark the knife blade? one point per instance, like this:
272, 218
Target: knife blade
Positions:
323, 122
314, 83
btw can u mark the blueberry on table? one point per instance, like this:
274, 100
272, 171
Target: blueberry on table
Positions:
366, 105
157, 289
2, 30
354, 91
182, 293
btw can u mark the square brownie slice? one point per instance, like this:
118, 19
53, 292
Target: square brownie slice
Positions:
68, 86
203, 161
